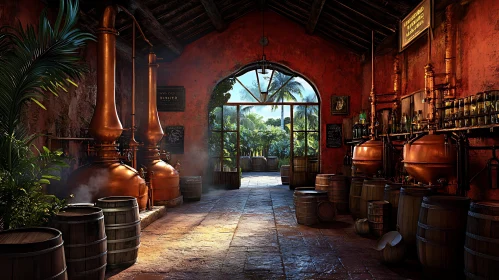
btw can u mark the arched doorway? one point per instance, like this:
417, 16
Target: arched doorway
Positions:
274, 115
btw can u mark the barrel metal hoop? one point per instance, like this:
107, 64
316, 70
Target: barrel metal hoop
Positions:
473, 276
58, 274
123, 250
483, 216
482, 238
123, 240
424, 240
87, 244
122, 209
78, 222
87, 258
35, 253
482, 255
90, 271
427, 227
433, 206
120, 226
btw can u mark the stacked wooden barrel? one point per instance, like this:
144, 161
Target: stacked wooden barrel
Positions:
378, 215
299, 174
440, 234
285, 174
245, 163
392, 194
481, 251
354, 197
122, 222
258, 164
85, 241
191, 187
372, 189
272, 163
306, 205
336, 188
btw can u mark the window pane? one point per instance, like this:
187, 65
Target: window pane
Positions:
312, 117
264, 79
229, 164
216, 164
230, 144
299, 144
313, 144
299, 113
214, 143
230, 118
215, 119
247, 82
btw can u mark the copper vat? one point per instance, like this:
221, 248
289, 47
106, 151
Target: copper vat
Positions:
430, 158
165, 179
368, 156
106, 176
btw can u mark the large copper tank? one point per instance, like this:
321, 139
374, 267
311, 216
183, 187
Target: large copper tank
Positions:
430, 158
368, 156
165, 179
106, 176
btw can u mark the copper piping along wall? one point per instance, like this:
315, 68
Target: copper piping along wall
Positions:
166, 178
372, 96
450, 58
106, 176
429, 84
397, 76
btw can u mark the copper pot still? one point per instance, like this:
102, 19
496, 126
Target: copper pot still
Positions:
368, 156
430, 158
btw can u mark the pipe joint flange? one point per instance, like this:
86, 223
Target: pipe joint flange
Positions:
108, 30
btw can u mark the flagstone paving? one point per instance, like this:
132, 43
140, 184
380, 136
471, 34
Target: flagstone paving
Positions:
251, 233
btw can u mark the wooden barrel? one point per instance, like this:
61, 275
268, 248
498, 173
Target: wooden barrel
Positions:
32, 253
258, 164
245, 163
355, 192
481, 249
272, 163
372, 189
302, 189
392, 194
408, 215
378, 215
312, 170
86, 243
285, 174
440, 234
122, 221
336, 188
326, 211
191, 187
306, 203
300, 164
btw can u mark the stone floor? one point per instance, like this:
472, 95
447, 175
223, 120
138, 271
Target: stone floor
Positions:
251, 233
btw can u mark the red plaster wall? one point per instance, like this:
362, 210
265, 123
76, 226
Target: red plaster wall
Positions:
333, 69
477, 62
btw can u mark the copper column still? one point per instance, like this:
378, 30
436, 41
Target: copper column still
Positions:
368, 156
431, 157
107, 176
166, 178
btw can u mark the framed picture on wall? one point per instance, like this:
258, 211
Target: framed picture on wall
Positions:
340, 104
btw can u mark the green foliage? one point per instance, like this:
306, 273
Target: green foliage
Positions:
34, 62
221, 93
22, 200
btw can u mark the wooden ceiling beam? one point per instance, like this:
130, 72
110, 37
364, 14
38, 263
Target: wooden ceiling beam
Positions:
151, 24
364, 16
262, 4
214, 15
315, 13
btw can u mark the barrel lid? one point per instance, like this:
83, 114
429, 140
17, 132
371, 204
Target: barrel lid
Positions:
304, 188
447, 200
116, 198
393, 186
335, 176
25, 240
78, 213
490, 207
375, 180
310, 192
414, 191
326, 211
378, 202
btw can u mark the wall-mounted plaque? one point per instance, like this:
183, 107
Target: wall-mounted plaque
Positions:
170, 99
414, 24
333, 135
174, 139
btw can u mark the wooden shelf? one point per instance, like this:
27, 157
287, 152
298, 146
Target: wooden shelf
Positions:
489, 126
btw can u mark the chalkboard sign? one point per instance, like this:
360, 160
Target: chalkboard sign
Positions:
174, 139
170, 99
333, 135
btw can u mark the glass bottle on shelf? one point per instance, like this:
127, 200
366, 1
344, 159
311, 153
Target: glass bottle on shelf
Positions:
420, 120
466, 108
486, 107
403, 124
447, 113
414, 122
480, 108
390, 124
493, 108
355, 130
365, 129
496, 106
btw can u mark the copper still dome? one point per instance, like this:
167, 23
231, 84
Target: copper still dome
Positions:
430, 158
368, 156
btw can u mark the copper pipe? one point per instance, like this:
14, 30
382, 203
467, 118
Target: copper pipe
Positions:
105, 125
450, 75
133, 144
429, 83
136, 23
396, 76
372, 96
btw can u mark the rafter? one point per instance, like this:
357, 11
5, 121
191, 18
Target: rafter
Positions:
151, 24
315, 12
214, 14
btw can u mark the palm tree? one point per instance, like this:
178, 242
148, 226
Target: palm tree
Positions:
287, 89
308, 113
